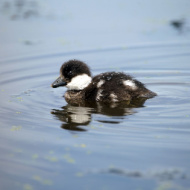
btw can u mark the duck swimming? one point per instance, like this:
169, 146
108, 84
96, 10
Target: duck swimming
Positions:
109, 87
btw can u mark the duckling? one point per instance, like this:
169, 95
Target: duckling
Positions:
109, 87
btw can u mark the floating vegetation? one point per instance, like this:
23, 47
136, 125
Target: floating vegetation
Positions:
35, 156
20, 99
79, 174
42, 181
16, 128
75, 136
52, 159
80, 145
89, 152
92, 127
27, 187
51, 152
37, 178
69, 159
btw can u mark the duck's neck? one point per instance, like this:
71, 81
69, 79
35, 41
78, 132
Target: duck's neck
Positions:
79, 82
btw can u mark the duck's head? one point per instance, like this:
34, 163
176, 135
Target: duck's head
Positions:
74, 74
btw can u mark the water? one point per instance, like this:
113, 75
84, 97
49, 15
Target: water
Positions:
47, 144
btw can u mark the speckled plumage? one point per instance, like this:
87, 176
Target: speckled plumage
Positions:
107, 87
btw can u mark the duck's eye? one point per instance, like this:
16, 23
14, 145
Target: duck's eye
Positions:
70, 73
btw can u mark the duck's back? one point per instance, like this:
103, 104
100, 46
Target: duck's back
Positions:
115, 87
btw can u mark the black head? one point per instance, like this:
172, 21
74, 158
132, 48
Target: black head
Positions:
72, 68
69, 70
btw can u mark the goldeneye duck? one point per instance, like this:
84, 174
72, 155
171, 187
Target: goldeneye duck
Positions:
109, 87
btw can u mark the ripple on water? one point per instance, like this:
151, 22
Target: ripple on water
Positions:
43, 136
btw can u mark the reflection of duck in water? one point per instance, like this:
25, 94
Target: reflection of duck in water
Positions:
110, 87
72, 117
75, 116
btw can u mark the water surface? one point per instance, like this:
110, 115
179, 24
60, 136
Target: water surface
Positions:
46, 143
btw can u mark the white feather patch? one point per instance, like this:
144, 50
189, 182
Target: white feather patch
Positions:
100, 83
113, 97
98, 97
79, 82
130, 83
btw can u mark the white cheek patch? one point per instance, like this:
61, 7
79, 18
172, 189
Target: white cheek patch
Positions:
130, 83
100, 83
79, 82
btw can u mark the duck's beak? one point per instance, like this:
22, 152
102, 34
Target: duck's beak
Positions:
58, 82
